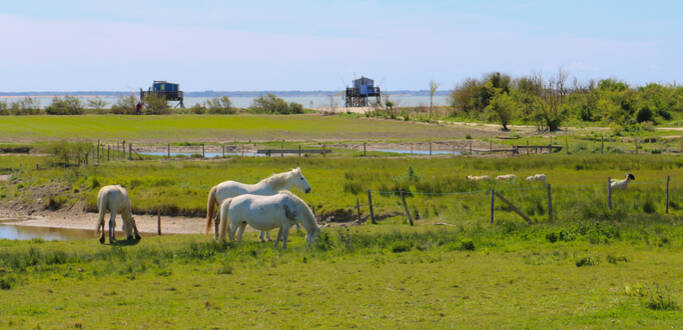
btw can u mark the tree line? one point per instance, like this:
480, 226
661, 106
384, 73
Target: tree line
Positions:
550, 102
152, 105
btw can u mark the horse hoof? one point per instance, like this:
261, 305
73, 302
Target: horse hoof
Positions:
102, 240
137, 237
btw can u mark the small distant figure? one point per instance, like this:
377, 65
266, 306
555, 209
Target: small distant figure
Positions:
506, 177
621, 184
138, 108
536, 177
478, 177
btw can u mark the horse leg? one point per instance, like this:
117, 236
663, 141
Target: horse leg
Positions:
112, 227
135, 231
233, 229
100, 224
216, 223
268, 236
279, 236
241, 231
285, 236
260, 236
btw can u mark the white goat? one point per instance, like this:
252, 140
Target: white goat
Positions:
478, 177
506, 177
621, 184
536, 177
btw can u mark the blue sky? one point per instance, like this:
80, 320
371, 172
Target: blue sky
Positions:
310, 45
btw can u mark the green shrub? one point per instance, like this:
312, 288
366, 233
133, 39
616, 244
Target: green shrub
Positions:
221, 105
70, 105
125, 105
25, 106
273, 104
587, 261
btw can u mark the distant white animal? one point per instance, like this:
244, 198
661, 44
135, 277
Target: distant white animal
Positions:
478, 177
265, 213
268, 186
114, 199
621, 184
506, 177
536, 177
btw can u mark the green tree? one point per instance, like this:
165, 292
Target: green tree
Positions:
220, 105
69, 105
273, 104
97, 104
25, 106
155, 105
125, 105
502, 108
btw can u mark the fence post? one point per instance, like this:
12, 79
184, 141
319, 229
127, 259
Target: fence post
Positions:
364, 149
98, 151
635, 141
667, 194
609, 193
492, 202
243, 150
453, 149
566, 143
299, 151
470, 147
602, 144
130, 151
282, 148
527, 147
430, 148
203, 150
123, 149
490, 146
358, 208
411, 149
223, 148
372, 212
323, 150
405, 206
550, 205
159, 222
108, 153
550, 146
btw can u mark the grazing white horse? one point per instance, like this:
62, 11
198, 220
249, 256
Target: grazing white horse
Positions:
506, 177
621, 184
114, 199
266, 187
478, 177
536, 177
266, 213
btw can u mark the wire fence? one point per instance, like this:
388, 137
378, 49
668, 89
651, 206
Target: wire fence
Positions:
539, 203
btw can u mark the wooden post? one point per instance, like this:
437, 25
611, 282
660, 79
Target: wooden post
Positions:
550, 146
527, 147
123, 149
168, 151
566, 143
430, 148
550, 205
602, 144
358, 208
223, 148
490, 146
667, 194
282, 148
405, 206
411, 149
609, 193
159, 222
453, 148
98, 151
635, 142
492, 203
372, 212
470, 147
242, 150
364, 149
323, 150
512, 206
299, 151
130, 151
203, 151
108, 159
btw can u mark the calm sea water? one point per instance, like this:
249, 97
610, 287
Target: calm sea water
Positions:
311, 101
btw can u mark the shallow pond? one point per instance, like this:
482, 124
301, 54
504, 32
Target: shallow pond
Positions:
420, 152
19, 232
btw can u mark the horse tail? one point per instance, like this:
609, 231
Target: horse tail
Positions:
224, 213
210, 209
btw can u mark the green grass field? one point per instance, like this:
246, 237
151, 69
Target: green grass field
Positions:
368, 276
204, 128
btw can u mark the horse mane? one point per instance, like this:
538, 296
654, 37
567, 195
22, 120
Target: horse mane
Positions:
309, 214
277, 180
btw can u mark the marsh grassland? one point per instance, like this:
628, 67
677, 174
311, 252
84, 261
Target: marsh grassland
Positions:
588, 266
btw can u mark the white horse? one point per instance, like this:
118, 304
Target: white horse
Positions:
266, 213
506, 177
478, 177
621, 184
114, 199
266, 187
536, 177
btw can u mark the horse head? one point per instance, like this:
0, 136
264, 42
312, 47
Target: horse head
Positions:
300, 181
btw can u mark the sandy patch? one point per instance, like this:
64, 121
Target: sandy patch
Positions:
4, 177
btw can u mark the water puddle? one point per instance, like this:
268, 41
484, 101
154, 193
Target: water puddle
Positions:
14, 230
420, 152
206, 155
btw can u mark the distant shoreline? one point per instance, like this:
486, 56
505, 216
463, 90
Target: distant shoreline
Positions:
210, 93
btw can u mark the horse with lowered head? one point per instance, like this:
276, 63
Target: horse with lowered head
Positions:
114, 200
266, 187
264, 213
